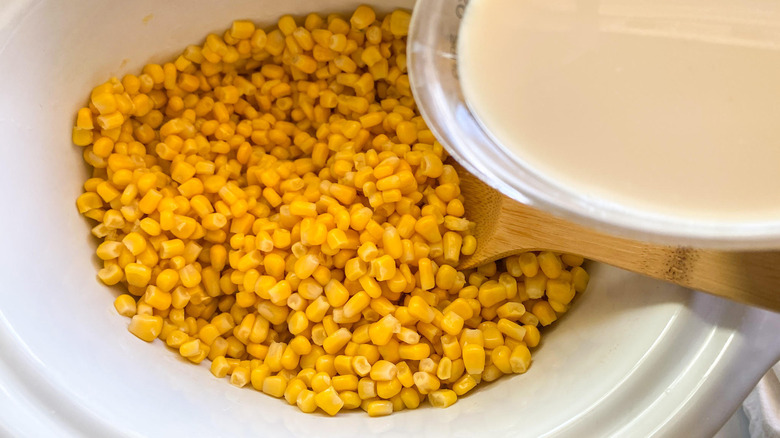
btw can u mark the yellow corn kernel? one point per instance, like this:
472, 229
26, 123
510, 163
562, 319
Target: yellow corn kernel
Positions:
529, 264
294, 388
511, 311
337, 295
82, 137
84, 119
337, 239
532, 336
356, 304
306, 265
399, 22
469, 245
474, 358
491, 293
520, 359
336, 341
298, 322
146, 327
414, 352
125, 305
137, 274
410, 398
420, 309
535, 286
427, 278
382, 331
442, 398
452, 323
110, 121
189, 276
366, 388
428, 228
550, 264
111, 274
361, 365
88, 201
219, 367
559, 291
306, 401
580, 279
379, 408
109, 250
370, 286
343, 365
444, 369
544, 312
191, 348
510, 284
240, 376
345, 383
464, 384
446, 277
511, 329
135, 242
157, 298
329, 401
107, 191
363, 17
426, 382
384, 267
383, 370
451, 346
351, 399
274, 386
259, 375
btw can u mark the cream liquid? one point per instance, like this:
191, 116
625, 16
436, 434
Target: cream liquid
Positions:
666, 107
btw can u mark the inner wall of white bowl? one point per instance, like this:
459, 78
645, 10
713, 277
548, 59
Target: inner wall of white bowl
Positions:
68, 364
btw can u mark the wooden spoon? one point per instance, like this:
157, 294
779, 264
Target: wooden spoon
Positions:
506, 227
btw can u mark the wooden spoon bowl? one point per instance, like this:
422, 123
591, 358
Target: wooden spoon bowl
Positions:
506, 227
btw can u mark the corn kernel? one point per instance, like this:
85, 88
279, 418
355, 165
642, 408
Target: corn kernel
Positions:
125, 305
146, 327
329, 401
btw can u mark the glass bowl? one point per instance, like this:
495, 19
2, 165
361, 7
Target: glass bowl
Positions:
638, 357
433, 71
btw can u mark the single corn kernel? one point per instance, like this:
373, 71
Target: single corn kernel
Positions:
329, 401
274, 386
125, 305
520, 359
379, 408
511, 329
137, 274
399, 22
362, 17
442, 398
544, 312
550, 264
383, 371
474, 358
146, 327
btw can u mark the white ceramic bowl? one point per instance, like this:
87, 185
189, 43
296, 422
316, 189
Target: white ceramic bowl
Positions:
633, 358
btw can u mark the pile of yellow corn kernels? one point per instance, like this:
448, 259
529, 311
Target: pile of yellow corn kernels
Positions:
274, 202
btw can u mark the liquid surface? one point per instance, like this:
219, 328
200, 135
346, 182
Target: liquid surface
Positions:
666, 107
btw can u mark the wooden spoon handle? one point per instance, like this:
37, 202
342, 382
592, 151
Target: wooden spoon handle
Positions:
747, 277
